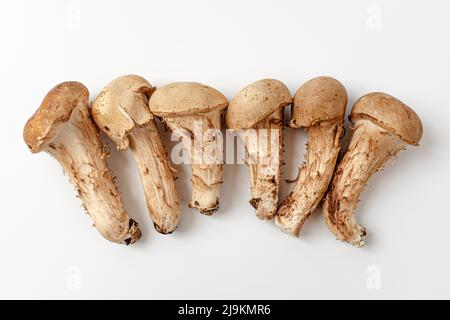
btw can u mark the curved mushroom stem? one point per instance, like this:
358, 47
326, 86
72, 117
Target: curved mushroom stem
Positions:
79, 151
370, 148
156, 176
322, 152
201, 137
264, 158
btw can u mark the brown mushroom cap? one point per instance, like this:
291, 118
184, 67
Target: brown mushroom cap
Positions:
319, 99
256, 102
391, 114
186, 98
121, 105
54, 112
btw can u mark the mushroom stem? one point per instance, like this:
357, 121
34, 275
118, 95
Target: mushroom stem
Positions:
322, 151
370, 148
156, 177
78, 149
199, 137
264, 152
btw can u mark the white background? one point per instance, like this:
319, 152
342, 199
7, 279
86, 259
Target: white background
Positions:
48, 247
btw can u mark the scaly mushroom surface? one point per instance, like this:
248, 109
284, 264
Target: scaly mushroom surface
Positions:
193, 112
257, 110
382, 127
121, 111
319, 106
62, 126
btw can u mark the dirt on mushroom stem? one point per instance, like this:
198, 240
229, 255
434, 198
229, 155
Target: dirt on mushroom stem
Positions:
370, 149
202, 138
322, 152
79, 151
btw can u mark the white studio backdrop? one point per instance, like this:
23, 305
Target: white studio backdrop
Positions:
50, 250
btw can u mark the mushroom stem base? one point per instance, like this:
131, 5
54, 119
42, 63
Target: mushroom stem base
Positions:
205, 198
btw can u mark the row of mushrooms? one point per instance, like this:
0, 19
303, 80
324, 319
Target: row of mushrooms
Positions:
67, 126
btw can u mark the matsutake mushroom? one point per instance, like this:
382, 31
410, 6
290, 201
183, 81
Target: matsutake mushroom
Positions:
62, 126
382, 127
121, 111
193, 112
319, 106
257, 110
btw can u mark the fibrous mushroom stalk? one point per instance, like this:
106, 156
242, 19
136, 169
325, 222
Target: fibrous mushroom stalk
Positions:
370, 148
156, 176
314, 177
264, 147
201, 137
78, 149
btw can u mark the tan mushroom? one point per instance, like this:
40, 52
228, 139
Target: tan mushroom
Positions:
193, 112
62, 126
319, 106
121, 111
382, 127
258, 111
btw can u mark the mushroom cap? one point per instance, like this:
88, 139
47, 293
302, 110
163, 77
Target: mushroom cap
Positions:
54, 112
256, 102
186, 98
319, 99
389, 113
121, 105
